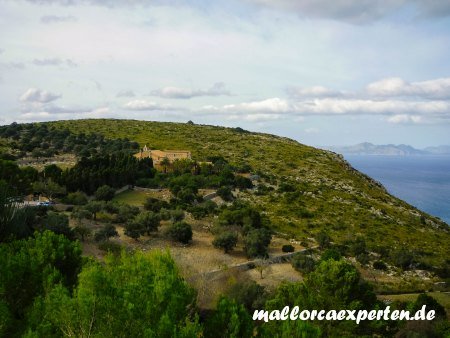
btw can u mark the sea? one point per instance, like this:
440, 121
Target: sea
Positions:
422, 181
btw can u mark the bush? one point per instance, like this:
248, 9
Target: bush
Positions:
323, 239
363, 258
402, 258
226, 241
243, 182
331, 254
249, 293
303, 263
58, 223
76, 198
225, 193
104, 193
155, 205
181, 232
256, 242
106, 233
379, 265
288, 248
177, 215
82, 232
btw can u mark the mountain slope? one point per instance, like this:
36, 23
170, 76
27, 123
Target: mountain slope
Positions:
318, 189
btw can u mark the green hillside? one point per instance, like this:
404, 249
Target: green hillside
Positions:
313, 189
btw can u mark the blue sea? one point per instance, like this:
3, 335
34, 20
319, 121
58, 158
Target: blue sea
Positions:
422, 181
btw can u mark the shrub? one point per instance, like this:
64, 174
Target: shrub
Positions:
104, 193
379, 265
288, 248
226, 241
181, 232
331, 254
402, 258
256, 242
106, 233
82, 232
363, 258
155, 204
243, 182
76, 198
177, 215
225, 193
249, 293
58, 223
323, 239
303, 263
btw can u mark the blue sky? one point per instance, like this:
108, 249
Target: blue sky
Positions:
322, 72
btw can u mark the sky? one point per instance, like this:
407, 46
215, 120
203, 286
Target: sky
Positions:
322, 72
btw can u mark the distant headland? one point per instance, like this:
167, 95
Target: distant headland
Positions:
367, 148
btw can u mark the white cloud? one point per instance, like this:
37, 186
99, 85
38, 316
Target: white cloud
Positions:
315, 91
34, 95
57, 113
145, 105
435, 89
269, 106
186, 93
277, 107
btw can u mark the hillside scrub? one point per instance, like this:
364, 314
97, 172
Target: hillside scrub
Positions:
329, 194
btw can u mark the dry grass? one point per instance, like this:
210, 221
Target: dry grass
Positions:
199, 258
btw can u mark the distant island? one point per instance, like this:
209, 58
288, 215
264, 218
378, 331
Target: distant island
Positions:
367, 148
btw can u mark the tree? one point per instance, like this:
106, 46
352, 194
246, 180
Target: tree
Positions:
256, 242
431, 303
14, 220
58, 223
181, 232
134, 230
230, 319
105, 193
129, 295
165, 162
155, 204
93, 207
82, 231
261, 265
49, 188
149, 221
30, 267
106, 233
52, 172
226, 241
76, 198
